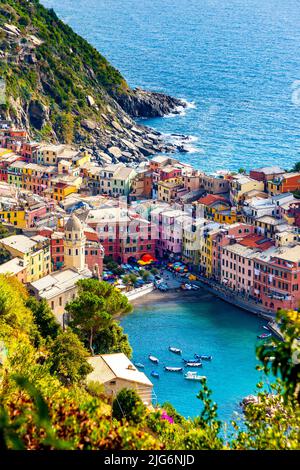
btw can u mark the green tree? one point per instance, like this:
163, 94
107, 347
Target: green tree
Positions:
283, 357
114, 267
93, 310
154, 271
145, 274
44, 319
112, 340
4, 255
128, 405
4, 232
129, 279
68, 358
88, 316
296, 167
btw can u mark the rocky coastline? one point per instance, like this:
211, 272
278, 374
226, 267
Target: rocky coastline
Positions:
122, 139
71, 94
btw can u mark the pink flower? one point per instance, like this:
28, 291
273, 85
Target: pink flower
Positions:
167, 417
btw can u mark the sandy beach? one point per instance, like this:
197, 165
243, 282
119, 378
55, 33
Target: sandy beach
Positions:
173, 295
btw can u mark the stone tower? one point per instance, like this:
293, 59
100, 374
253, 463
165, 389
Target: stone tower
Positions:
74, 244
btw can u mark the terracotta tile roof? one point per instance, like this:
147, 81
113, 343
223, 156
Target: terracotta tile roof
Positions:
256, 241
211, 199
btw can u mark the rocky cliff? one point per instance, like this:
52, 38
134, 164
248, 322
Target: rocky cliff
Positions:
63, 90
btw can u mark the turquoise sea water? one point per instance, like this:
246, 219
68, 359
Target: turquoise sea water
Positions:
237, 61
206, 326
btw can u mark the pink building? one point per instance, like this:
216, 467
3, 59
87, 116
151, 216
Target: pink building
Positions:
170, 225
277, 278
238, 268
237, 262
224, 237
37, 212
94, 254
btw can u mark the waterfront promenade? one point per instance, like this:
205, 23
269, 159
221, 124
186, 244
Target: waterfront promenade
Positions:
236, 298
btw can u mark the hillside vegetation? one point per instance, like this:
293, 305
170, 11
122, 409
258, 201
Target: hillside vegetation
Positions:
45, 402
63, 90
50, 66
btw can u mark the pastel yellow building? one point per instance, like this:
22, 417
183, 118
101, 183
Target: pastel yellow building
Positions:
34, 251
206, 248
241, 185
5, 151
82, 159
62, 190
167, 189
228, 217
14, 217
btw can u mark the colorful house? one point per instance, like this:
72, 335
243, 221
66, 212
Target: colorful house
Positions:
34, 251
285, 183
277, 278
240, 185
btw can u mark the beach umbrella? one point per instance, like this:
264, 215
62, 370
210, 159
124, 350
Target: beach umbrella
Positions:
147, 258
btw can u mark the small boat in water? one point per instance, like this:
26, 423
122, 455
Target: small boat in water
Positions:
264, 335
266, 328
191, 361
193, 364
173, 369
155, 374
203, 357
175, 350
153, 359
193, 376
139, 365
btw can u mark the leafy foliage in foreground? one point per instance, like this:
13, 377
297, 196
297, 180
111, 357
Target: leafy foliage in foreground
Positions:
128, 405
40, 409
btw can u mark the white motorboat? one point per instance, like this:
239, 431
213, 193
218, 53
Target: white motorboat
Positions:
153, 359
193, 376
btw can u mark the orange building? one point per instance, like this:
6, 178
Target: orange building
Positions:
283, 184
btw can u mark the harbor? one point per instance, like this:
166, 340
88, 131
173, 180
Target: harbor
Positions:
196, 323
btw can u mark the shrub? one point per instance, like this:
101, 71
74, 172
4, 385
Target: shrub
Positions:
128, 405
